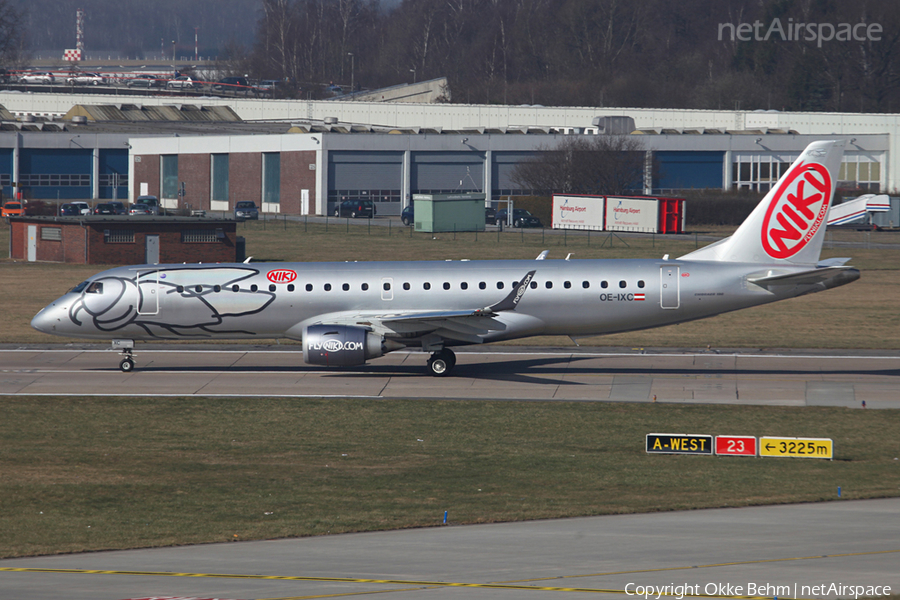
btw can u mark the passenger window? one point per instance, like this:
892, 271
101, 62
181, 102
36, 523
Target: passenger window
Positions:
346, 287
387, 286
641, 283
406, 286
253, 288
179, 289
198, 289
308, 287
482, 285
426, 285
290, 287
567, 284
234, 288
446, 285
217, 288
499, 285
585, 284
533, 284
327, 287
365, 287
548, 285
95, 288
272, 287
622, 284
604, 284
464, 285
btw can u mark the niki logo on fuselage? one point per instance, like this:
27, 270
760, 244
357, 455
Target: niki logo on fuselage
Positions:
121, 302
797, 210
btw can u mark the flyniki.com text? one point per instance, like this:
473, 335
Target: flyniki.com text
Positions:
796, 32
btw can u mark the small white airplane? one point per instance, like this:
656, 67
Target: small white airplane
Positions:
347, 313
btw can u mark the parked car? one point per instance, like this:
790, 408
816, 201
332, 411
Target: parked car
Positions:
246, 209
408, 216
13, 209
521, 218
105, 209
83, 207
139, 209
69, 210
86, 79
147, 81
355, 208
232, 84
182, 83
37, 77
152, 202
119, 206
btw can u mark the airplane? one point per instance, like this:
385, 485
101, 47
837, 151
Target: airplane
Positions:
345, 314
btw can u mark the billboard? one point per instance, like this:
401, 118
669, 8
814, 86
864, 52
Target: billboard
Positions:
578, 212
632, 214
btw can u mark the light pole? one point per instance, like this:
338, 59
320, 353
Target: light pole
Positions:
173, 50
352, 73
413, 71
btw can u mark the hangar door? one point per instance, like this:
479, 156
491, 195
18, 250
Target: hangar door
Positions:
446, 172
502, 170
362, 175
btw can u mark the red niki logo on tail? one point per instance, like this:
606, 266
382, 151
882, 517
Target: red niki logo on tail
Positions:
797, 210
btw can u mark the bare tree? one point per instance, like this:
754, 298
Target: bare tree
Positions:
604, 164
12, 33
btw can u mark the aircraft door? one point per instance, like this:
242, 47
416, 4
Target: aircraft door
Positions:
669, 286
148, 292
387, 288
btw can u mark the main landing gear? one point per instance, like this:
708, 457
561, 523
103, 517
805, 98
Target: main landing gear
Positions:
441, 363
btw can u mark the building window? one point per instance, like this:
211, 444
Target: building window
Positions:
271, 180
119, 236
168, 174
860, 172
198, 236
219, 177
53, 234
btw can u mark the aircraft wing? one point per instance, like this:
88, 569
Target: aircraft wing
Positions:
459, 325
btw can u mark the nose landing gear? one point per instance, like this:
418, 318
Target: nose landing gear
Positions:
441, 363
126, 349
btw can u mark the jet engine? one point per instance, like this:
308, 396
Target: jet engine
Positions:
343, 345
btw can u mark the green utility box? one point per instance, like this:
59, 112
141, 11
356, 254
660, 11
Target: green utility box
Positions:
449, 212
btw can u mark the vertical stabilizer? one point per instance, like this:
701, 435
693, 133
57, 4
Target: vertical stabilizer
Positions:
788, 225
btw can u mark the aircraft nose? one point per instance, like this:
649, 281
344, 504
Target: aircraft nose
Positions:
49, 318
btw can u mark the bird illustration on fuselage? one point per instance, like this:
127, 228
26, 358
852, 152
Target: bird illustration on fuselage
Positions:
345, 314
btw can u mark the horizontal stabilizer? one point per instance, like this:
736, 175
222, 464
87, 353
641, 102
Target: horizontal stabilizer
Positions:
829, 276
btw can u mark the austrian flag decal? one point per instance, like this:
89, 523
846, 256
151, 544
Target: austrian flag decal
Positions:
638, 297
797, 210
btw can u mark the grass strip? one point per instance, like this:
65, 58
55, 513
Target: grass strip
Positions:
81, 474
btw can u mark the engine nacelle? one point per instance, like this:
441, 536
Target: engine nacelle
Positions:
341, 345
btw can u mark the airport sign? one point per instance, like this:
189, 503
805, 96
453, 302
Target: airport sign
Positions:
679, 443
794, 447
735, 445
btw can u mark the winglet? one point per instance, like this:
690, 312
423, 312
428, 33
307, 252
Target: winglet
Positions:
512, 300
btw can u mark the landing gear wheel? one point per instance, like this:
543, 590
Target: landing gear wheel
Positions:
441, 363
127, 365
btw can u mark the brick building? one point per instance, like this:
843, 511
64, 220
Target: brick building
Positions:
122, 240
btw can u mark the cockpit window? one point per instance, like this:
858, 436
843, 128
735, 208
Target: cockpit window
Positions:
80, 287
95, 288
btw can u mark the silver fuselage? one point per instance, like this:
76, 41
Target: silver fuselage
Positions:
279, 300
